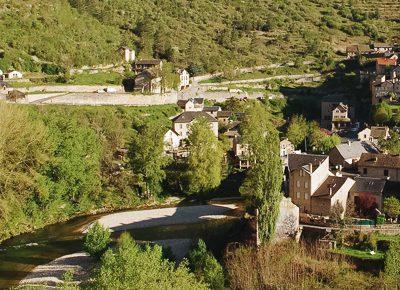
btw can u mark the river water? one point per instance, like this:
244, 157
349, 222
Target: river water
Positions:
21, 254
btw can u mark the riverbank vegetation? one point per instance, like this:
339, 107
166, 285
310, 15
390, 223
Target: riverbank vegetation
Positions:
202, 36
60, 161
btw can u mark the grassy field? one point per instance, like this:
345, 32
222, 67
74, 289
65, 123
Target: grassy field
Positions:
102, 78
359, 253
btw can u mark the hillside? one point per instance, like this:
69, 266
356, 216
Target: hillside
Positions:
203, 34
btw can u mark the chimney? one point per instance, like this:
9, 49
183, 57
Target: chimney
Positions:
349, 142
311, 167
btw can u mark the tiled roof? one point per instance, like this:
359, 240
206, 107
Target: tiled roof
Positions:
212, 109
368, 185
297, 161
379, 160
351, 149
330, 186
224, 114
187, 117
386, 61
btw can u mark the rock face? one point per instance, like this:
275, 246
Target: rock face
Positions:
288, 220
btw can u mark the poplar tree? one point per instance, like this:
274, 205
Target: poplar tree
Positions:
262, 185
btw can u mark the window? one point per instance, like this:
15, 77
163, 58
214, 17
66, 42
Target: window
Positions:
306, 196
386, 172
365, 171
298, 183
181, 126
298, 194
306, 184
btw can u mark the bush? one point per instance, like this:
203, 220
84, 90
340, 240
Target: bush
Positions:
392, 262
380, 219
97, 239
206, 267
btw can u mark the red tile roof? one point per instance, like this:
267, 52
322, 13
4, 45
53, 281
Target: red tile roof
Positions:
386, 61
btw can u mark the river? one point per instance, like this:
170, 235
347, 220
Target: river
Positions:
21, 254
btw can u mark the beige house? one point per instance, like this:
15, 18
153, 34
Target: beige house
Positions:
383, 166
312, 187
184, 79
224, 117
241, 152
171, 141
192, 105
148, 81
13, 74
346, 155
183, 122
373, 134
340, 117
127, 54
335, 113
285, 148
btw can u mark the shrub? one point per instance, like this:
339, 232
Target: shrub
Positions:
206, 267
392, 261
97, 239
380, 219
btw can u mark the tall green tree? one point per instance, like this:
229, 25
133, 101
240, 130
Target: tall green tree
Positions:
205, 158
298, 130
392, 145
147, 157
321, 142
131, 266
263, 182
391, 206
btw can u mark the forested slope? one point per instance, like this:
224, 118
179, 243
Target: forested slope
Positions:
203, 34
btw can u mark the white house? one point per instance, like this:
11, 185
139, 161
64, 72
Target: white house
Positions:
184, 78
286, 148
13, 75
183, 122
127, 54
171, 141
192, 105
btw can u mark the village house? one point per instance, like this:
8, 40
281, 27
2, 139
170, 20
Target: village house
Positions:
127, 54
192, 105
380, 47
224, 117
356, 50
346, 155
285, 148
373, 134
340, 118
171, 141
383, 166
212, 110
384, 65
184, 79
312, 187
145, 64
335, 114
231, 132
367, 189
13, 74
241, 152
183, 122
148, 81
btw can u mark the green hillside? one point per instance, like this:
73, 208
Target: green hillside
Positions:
203, 34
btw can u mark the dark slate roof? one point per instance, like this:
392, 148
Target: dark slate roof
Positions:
368, 185
181, 103
224, 114
330, 186
233, 125
212, 109
351, 149
297, 161
379, 160
187, 117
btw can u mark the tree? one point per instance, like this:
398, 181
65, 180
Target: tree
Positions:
381, 113
298, 130
392, 261
169, 77
97, 239
392, 145
391, 206
206, 267
321, 142
130, 266
147, 157
205, 158
262, 185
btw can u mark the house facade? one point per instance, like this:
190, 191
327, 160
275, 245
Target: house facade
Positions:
367, 188
184, 79
127, 54
171, 141
285, 148
340, 118
13, 75
183, 122
384, 166
148, 82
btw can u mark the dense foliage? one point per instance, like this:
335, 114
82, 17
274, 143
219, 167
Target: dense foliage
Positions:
131, 266
97, 239
262, 185
206, 267
202, 35
60, 161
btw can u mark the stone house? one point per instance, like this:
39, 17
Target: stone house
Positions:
127, 54
384, 65
312, 187
184, 79
285, 148
183, 122
192, 105
331, 110
380, 47
367, 187
145, 64
383, 166
340, 117
241, 152
212, 110
171, 141
346, 155
148, 81
374, 134
13, 74
224, 117
364, 135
